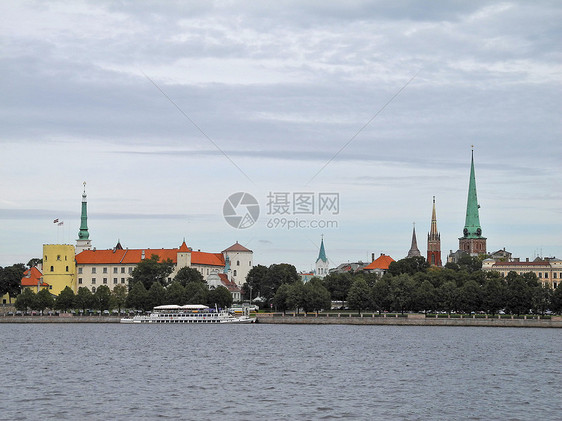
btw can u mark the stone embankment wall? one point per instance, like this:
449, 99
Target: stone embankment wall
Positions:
56, 319
408, 320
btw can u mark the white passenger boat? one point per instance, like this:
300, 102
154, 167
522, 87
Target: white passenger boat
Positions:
190, 313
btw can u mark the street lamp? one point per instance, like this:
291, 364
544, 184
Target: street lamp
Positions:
250, 294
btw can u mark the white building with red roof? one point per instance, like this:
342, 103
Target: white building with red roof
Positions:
240, 259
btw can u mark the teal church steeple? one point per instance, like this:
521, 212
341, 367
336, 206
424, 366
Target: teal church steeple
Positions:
322, 264
84, 234
83, 242
472, 241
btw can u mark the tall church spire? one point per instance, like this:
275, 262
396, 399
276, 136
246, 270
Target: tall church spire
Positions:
322, 264
83, 242
434, 241
472, 241
414, 251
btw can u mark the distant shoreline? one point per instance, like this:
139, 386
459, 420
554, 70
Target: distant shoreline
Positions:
345, 319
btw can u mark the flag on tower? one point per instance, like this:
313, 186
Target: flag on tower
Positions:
55, 221
60, 223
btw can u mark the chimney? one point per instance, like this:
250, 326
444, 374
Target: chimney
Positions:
527, 259
372, 257
142, 255
517, 260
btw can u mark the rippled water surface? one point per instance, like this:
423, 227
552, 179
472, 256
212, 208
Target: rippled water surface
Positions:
250, 372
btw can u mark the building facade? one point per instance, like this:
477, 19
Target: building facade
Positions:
59, 267
548, 271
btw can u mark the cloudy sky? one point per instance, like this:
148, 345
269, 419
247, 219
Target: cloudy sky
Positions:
167, 108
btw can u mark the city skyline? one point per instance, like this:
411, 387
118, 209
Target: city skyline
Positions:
167, 110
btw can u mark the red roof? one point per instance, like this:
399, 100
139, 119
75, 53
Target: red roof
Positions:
134, 256
382, 262
237, 247
33, 278
231, 286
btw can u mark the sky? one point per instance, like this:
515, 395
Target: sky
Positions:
166, 109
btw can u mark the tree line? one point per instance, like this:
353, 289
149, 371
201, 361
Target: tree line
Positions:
409, 285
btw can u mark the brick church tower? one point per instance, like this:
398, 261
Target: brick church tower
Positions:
434, 241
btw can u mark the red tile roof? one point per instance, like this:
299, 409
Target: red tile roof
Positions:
134, 256
32, 280
237, 247
231, 286
382, 262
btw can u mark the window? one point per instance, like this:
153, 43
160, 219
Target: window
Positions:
250, 263
540, 275
93, 281
122, 280
238, 263
45, 257
105, 280
67, 268
93, 270
234, 272
104, 270
58, 257
130, 270
114, 270
93, 289
80, 270
114, 280
554, 275
65, 258
546, 275
52, 269
50, 287
122, 270
80, 281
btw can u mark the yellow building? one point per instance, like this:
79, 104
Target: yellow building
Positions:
59, 267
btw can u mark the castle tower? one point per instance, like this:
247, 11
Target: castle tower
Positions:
434, 241
322, 265
472, 241
83, 242
414, 251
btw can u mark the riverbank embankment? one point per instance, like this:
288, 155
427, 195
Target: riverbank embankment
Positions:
410, 320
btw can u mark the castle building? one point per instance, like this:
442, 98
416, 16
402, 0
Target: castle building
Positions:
434, 241
59, 267
414, 251
240, 259
472, 241
322, 265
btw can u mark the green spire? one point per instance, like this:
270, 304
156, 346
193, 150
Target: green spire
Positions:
322, 253
84, 234
472, 227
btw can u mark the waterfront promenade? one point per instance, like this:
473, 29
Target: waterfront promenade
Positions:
342, 319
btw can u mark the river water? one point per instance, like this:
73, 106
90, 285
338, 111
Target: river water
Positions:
251, 372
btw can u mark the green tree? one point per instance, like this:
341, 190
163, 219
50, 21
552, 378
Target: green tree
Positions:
556, 300
470, 296
25, 300
119, 296
315, 296
151, 270
402, 289
34, 262
102, 298
493, 295
295, 296
186, 275
137, 297
541, 299
381, 297
280, 298
10, 279
447, 296
44, 300
359, 297
338, 284
409, 265
65, 299
519, 294
196, 293
175, 294
219, 296
255, 279
84, 298
426, 296
278, 274
156, 295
